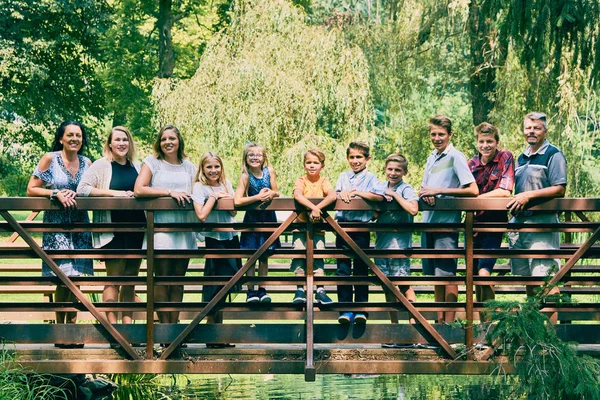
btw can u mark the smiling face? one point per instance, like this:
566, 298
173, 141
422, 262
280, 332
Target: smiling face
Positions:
394, 172
312, 166
535, 133
440, 137
487, 146
357, 160
119, 145
255, 158
72, 139
169, 143
212, 170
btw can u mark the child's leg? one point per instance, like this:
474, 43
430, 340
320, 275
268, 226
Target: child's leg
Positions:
251, 272
344, 268
298, 265
361, 292
446, 267
319, 263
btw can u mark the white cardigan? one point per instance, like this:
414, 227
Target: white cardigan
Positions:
98, 176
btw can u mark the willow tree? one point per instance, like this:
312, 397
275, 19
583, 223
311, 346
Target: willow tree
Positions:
274, 79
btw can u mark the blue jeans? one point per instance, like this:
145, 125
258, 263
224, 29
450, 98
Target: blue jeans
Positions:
344, 268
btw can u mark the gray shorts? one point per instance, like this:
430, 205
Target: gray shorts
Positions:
439, 266
534, 241
394, 266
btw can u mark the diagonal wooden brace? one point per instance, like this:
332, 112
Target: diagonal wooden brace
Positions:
223, 292
423, 326
70, 285
573, 260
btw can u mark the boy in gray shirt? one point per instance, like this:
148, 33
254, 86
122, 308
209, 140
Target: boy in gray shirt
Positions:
446, 175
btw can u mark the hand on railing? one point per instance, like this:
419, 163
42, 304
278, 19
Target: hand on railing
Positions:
180, 197
347, 195
67, 198
316, 215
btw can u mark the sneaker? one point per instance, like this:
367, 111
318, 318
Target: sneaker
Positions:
398, 346
263, 296
321, 297
299, 297
388, 345
360, 318
252, 297
346, 318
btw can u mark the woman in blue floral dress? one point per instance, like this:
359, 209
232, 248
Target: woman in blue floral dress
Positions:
56, 177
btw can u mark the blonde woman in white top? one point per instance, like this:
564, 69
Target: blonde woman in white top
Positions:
114, 175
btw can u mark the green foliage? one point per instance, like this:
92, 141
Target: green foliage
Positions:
272, 78
17, 383
547, 367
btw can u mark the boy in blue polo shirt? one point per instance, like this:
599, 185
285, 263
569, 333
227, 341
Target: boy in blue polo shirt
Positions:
446, 175
357, 179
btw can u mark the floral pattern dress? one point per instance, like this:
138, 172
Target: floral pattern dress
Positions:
58, 177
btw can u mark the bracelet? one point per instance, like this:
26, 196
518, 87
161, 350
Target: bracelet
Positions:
53, 194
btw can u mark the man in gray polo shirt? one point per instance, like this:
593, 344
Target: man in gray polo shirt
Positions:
446, 175
541, 171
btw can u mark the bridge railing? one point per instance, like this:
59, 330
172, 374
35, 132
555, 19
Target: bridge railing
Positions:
578, 277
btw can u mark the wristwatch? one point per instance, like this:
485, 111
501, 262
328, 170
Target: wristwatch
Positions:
53, 194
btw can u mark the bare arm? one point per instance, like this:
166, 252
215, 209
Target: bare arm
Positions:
499, 192
240, 198
410, 206
35, 187
518, 203
369, 196
142, 188
471, 190
273, 181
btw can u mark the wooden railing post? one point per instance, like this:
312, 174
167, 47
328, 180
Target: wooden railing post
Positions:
469, 282
309, 369
150, 285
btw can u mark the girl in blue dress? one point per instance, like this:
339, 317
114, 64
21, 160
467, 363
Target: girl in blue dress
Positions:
257, 184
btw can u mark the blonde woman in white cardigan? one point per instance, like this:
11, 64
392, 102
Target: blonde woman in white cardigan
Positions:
114, 175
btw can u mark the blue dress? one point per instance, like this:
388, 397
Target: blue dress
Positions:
253, 240
57, 177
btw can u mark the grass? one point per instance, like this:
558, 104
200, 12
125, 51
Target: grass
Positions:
18, 383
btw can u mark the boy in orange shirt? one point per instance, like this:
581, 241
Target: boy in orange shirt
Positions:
311, 185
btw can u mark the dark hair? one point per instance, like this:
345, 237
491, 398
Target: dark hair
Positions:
180, 151
485, 128
362, 146
442, 121
60, 132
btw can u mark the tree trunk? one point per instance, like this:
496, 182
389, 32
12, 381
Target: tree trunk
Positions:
166, 53
483, 73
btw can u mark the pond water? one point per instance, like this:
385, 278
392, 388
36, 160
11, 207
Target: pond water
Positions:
325, 387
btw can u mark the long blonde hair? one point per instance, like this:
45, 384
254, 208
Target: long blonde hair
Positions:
247, 148
107, 152
200, 177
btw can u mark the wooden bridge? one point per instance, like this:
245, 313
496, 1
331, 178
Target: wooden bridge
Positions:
280, 337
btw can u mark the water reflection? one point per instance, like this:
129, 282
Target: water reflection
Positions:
401, 387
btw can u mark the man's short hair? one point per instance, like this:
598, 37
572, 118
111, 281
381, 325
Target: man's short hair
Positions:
537, 116
399, 158
362, 146
485, 128
441, 120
